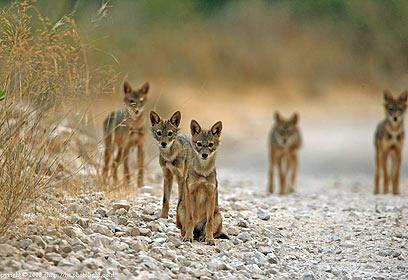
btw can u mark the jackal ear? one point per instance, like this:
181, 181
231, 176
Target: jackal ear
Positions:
175, 119
127, 88
216, 129
154, 118
145, 88
387, 95
295, 118
195, 127
403, 96
277, 117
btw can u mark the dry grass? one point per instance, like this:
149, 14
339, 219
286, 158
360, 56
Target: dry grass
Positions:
45, 71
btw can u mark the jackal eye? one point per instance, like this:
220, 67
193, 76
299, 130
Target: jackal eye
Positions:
141, 101
159, 133
210, 144
199, 144
170, 133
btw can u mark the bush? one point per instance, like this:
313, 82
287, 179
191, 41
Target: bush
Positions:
43, 71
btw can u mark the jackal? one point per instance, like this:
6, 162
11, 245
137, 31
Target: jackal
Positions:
175, 154
198, 212
389, 141
126, 129
284, 143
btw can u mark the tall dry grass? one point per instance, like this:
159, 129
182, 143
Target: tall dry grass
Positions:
44, 71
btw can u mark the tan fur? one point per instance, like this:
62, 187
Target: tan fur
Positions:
126, 129
284, 144
198, 211
175, 154
389, 141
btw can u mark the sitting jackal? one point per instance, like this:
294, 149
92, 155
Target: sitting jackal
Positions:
198, 213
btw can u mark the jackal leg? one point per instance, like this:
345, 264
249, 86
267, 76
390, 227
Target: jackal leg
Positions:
189, 221
271, 169
107, 156
116, 163
294, 165
209, 226
378, 165
181, 217
385, 170
125, 159
282, 175
217, 222
396, 170
168, 184
140, 160
180, 184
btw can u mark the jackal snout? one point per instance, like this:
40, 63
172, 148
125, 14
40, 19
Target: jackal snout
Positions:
205, 143
165, 131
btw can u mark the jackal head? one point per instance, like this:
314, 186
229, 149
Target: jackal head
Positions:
165, 131
205, 142
395, 107
286, 129
135, 99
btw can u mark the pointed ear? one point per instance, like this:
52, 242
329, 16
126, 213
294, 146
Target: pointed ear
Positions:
127, 88
403, 96
145, 88
154, 118
195, 128
216, 128
175, 119
295, 118
387, 95
277, 117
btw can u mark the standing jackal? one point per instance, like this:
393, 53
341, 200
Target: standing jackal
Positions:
126, 129
284, 143
389, 141
175, 154
198, 213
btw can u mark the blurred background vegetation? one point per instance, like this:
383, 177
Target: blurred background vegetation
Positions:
234, 45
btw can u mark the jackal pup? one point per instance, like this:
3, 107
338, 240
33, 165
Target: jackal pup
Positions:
126, 129
198, 212
389, 141
175, 154
284, 142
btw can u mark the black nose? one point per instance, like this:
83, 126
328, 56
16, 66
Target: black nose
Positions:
284, 141
164, 144
204, 155
137, 111
395, 119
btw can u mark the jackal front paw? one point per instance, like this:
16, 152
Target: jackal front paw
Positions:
164, 215
210, 241
187, 239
